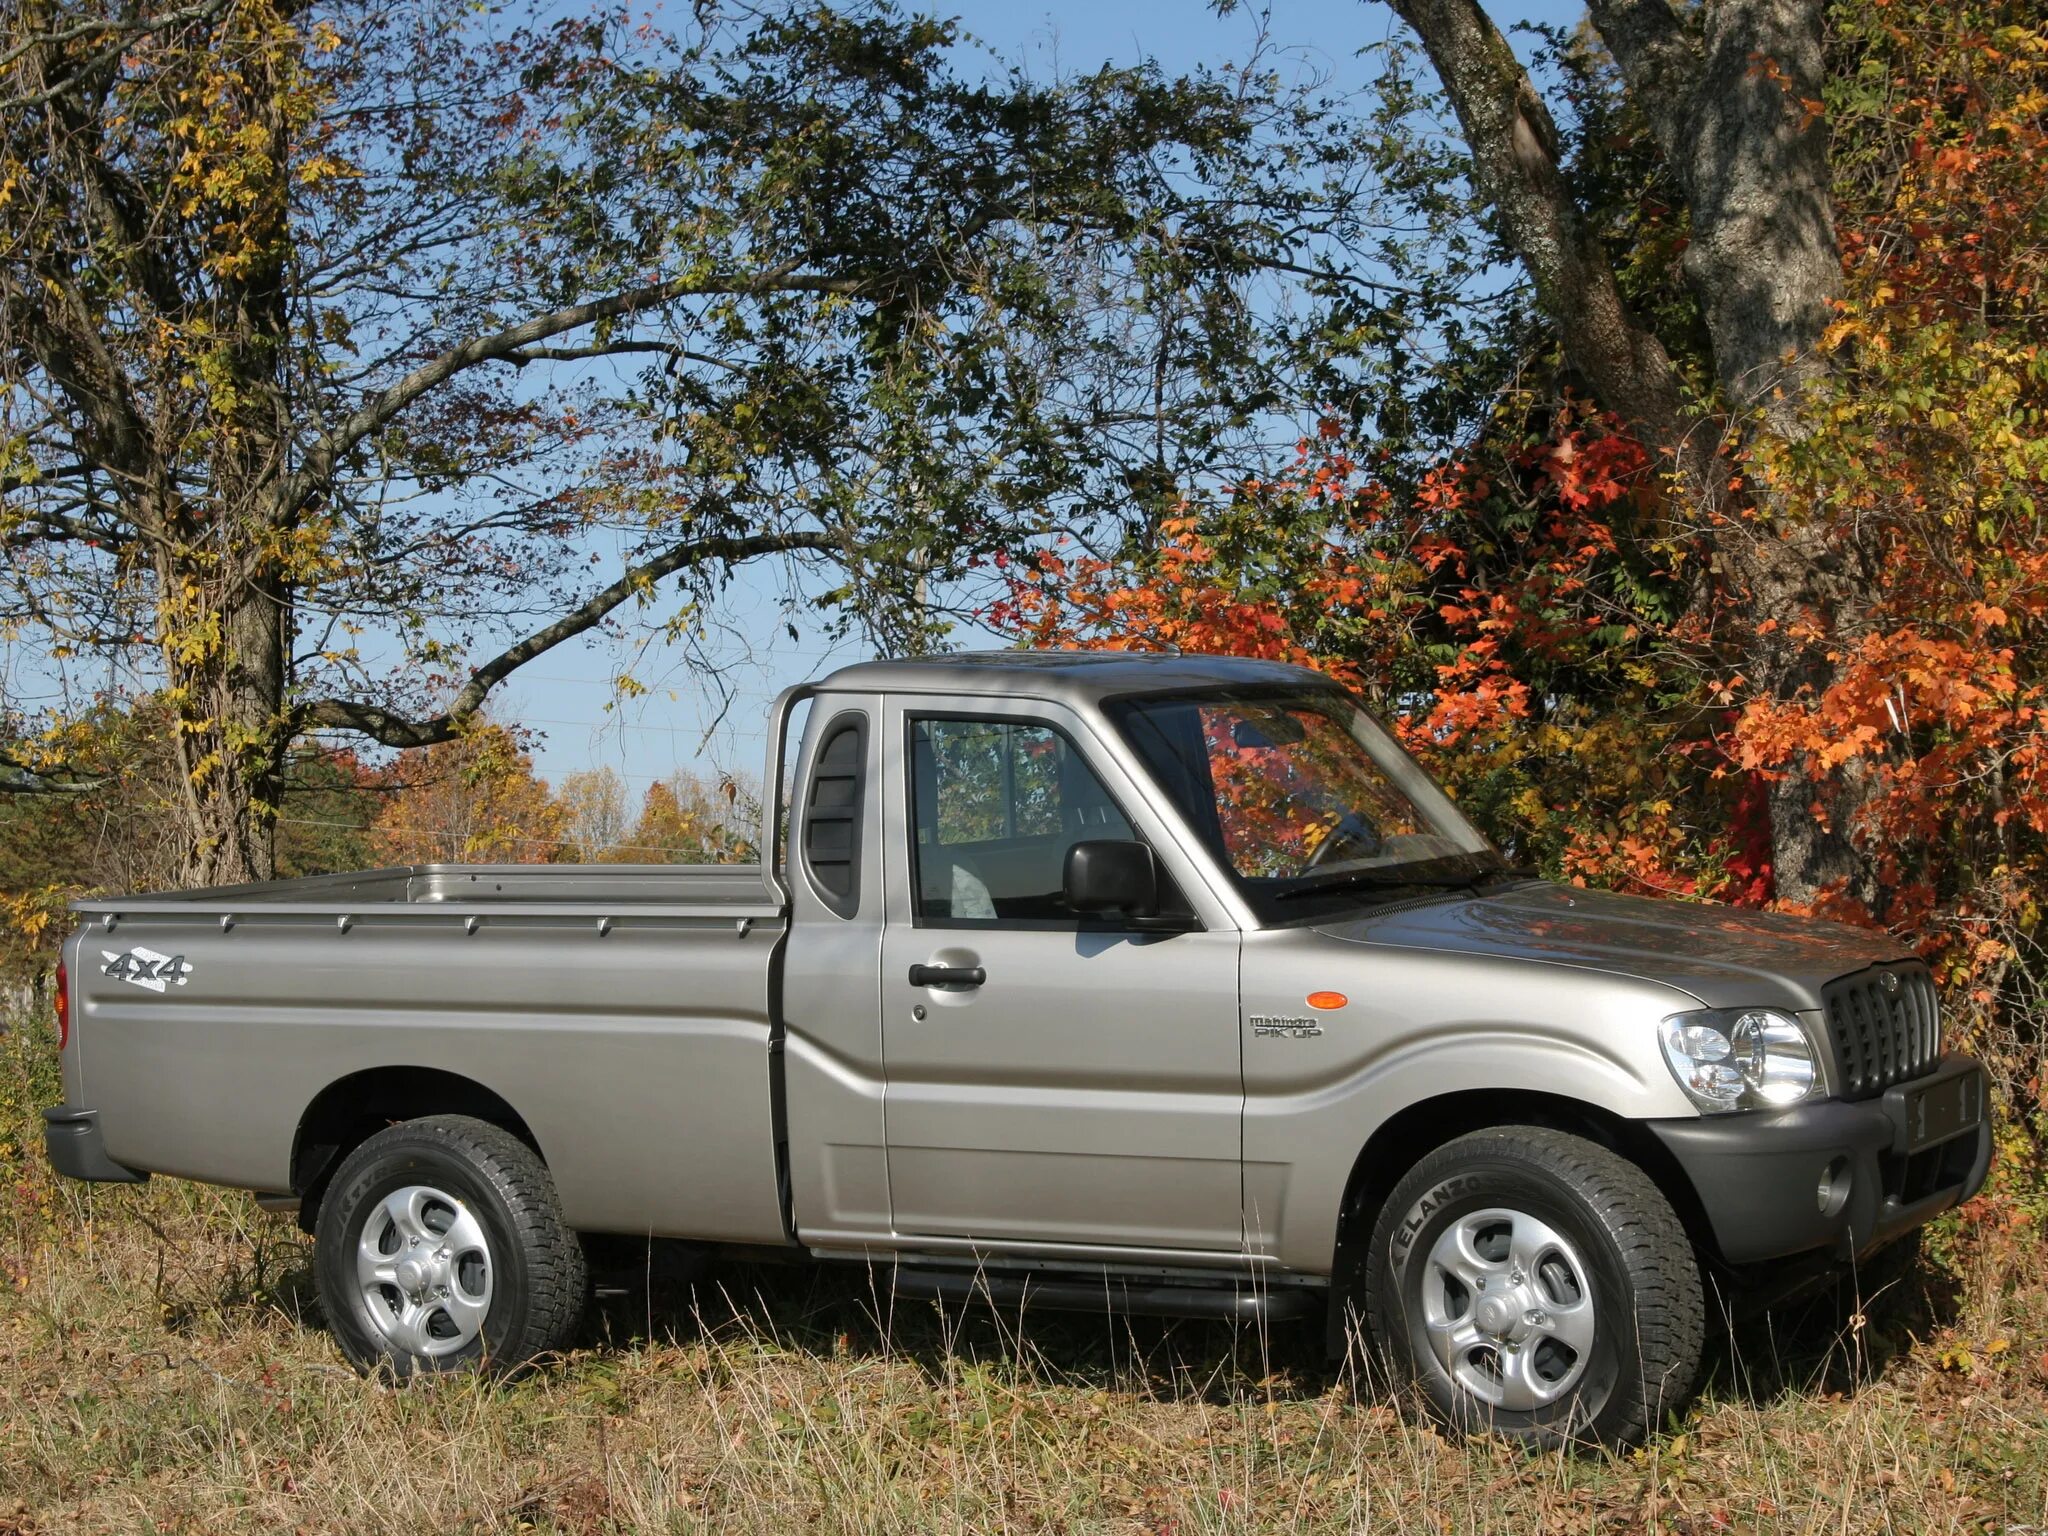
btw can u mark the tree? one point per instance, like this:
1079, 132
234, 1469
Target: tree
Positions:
1562, 668
327, 812
473, 799
594, 813
1731, 94
110, 822
111, 818
352, 358
684, 820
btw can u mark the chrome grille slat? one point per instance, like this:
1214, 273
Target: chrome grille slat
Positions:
1881, 1036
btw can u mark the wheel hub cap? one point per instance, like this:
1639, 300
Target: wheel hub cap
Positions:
1507, 1305
1495, 1315
424, 1271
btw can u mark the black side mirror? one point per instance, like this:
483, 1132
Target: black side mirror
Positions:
1111, 875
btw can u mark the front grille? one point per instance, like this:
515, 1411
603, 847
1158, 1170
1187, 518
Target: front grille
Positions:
1885, 1024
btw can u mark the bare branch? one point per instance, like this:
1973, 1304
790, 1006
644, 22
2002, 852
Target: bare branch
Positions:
396, 731
619, 349
26, 779
501, 345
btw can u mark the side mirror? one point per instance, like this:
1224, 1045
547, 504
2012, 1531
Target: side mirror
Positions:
1111, 875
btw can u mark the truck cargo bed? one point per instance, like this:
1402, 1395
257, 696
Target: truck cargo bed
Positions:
624, 1009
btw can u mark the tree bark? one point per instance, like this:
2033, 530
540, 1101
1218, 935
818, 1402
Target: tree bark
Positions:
1732, 93
233, 735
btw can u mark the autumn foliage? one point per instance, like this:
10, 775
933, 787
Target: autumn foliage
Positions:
477, 800
473, 800
1576, 664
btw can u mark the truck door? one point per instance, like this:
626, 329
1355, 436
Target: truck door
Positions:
1048, 1080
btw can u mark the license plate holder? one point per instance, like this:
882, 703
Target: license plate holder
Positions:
1943, 1110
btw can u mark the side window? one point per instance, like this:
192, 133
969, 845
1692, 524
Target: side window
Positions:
995, 805
832, 813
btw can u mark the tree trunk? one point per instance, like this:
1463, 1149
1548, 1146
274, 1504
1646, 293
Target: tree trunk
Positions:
231, 692
233, 732
1789, 577
1514, 148
1732, 94
1731, 91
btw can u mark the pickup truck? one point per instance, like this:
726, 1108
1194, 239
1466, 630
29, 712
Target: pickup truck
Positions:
1161, 982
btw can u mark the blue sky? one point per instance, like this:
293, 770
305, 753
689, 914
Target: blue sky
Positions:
1183, 33
565, 695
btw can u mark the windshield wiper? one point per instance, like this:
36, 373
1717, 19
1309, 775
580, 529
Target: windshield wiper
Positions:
1394, 879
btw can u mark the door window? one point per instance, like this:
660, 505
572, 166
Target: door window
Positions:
995, 805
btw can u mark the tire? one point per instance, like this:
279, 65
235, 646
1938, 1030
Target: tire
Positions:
1596, 1336
440, 1247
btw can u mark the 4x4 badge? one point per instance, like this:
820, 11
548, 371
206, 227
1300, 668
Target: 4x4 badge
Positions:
146, 968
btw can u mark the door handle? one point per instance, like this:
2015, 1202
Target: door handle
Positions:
947, 975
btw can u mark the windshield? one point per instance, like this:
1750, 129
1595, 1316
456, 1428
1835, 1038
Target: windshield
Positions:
1303, 797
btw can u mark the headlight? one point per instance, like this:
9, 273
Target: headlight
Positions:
1739, 1058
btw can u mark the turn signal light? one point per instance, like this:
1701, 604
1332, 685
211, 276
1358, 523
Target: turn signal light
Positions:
63, 1007
1327, 1000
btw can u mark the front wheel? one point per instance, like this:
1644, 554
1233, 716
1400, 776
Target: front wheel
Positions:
1535, 1284
440, 1247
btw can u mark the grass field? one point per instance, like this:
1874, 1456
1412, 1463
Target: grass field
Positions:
162, 1368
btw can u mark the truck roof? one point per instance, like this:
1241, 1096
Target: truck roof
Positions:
1070, 676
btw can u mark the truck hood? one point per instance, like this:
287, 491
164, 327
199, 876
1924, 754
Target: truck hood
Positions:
1727, 957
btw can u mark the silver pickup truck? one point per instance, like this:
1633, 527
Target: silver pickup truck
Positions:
1161, 982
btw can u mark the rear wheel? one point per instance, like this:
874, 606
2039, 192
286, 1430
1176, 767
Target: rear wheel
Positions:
440, 1246
1532, 1283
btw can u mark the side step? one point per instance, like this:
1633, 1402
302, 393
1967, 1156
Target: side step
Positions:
1238, 1303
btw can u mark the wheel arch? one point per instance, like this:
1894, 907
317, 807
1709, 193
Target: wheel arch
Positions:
351, 1109
1412, 1133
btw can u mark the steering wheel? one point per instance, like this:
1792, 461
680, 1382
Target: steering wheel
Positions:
1351, 829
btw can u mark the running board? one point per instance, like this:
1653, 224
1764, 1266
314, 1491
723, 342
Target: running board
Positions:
1236, 1303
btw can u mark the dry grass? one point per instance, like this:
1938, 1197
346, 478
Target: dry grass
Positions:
162, 1369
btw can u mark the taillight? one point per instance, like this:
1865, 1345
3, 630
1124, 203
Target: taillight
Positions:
63, 1007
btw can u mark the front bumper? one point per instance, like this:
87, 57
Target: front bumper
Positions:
1846, 1178
71, 1137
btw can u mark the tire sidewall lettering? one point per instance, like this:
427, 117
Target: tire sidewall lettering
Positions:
1432, 1203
